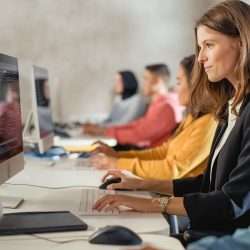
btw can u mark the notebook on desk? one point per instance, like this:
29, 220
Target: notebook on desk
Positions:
40, 222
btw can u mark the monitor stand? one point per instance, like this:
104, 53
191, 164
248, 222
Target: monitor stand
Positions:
10, 201
26, 130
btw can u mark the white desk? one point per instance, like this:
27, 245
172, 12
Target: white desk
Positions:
84, 141
38, 199
30, 243
63, 175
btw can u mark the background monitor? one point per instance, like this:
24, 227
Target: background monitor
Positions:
42, 113
11, 143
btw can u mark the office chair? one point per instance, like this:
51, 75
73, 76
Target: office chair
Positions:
173, 223
189, 236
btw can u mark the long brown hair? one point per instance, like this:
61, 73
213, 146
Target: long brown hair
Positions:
232, 18
187, 63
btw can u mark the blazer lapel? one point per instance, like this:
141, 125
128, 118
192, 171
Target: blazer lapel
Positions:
244, 103
217, 137
218, 134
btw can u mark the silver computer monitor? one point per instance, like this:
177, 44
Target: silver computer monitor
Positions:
41, 106
11, 142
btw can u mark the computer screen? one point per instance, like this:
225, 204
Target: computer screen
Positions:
44, 111
11, 142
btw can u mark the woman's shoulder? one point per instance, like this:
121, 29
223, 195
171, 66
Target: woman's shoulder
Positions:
136, 98
245, 107
206, 120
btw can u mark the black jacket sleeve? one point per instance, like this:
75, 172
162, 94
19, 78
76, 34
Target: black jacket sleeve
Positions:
187, 185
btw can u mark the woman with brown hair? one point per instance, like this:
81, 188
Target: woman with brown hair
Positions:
184, 154
219, 199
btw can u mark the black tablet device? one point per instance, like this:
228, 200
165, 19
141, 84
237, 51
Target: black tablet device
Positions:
40, 222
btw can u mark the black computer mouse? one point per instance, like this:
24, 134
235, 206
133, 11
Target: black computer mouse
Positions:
115, 235
109, 181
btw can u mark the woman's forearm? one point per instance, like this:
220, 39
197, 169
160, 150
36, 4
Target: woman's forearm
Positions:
176, 206
162, 187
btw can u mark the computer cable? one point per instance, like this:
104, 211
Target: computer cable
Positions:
57, 241
45, 187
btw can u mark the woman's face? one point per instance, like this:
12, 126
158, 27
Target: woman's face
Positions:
218, 54
118, 84
182, 87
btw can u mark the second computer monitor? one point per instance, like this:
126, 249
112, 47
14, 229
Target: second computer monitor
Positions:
42, 112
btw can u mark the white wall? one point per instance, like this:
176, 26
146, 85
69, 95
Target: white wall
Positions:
84, 42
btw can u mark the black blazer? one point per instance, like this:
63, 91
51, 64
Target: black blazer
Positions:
209, 204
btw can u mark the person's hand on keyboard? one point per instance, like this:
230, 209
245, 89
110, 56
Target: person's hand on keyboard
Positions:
101, 161
128, 180
105, 149
143, 205
92, 129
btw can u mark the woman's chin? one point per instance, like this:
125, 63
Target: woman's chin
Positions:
214, 78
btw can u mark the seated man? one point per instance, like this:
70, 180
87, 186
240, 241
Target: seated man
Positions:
160, 120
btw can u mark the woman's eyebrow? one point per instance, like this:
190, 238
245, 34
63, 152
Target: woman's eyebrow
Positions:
207, 40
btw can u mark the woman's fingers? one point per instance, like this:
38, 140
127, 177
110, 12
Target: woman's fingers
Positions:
98, 142
105, 200
113, 173
96, 150
97, 163
113, 205
136, 203
108, 199
97, 157
115, 186
105, 176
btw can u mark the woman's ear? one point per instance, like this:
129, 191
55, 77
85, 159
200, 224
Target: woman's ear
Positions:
240, 44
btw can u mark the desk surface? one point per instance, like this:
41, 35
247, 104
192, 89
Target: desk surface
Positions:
31, 243
64, 174
83, 141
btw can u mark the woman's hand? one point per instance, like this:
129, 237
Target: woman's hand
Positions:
101, 161
143, 205
92, 129
105, 149
128, 180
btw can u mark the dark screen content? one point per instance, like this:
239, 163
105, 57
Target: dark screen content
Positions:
43, 107
10, 114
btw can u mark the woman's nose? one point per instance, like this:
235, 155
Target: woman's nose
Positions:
202, 57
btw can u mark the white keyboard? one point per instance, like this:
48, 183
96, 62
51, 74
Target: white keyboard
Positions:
89, 198
82, 162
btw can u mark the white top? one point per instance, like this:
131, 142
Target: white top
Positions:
126, 111
231, 122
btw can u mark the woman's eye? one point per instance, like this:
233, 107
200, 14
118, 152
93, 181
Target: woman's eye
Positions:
209, 45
